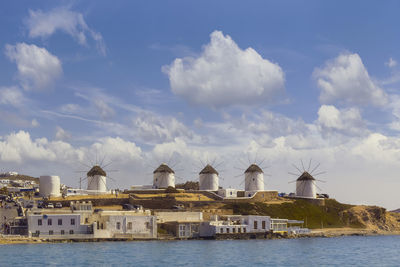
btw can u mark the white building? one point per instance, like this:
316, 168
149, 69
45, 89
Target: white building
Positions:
254, 178
57, 225
228, 193
49, 186
125, 224
305, 186
235, 224
96, 179
163, 177
182, 224
208, 179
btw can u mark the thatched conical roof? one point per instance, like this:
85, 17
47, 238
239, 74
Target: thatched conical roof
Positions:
208, 170
253, 168
305, 177
164, 168
96, 170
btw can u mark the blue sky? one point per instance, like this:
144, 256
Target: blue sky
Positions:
142, 82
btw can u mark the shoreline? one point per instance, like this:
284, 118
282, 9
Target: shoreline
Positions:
315, 233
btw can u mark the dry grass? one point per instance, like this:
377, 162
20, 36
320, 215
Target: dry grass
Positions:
74, 198
177, 196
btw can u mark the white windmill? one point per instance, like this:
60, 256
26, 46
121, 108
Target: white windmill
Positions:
306, 186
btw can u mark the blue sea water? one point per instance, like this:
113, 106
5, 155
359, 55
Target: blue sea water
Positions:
341, 251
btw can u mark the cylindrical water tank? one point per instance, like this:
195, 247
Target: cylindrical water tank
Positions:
254, 178
49, 186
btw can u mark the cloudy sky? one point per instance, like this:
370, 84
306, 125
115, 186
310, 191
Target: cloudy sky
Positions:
137, 83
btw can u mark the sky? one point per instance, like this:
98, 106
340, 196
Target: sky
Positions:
132, 84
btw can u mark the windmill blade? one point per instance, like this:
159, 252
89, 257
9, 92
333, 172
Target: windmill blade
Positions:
79, 171
85, 165
302, 165
322, 181
244, 164
297, 168
218, 164
317, 187
111, 170
319, 173
291, 173
197, 167
309, 166
101, 162
240, 169
261, 162
315, 168
248, 158
108, 164
242, 182
236, 176
292, 182
212, 163
255, 159
202, 164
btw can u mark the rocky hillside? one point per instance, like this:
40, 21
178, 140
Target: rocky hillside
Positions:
332, 215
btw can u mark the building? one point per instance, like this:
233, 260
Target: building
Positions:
58, 225
208, 179
163, 177
49, 186
96, 179
305, 186
254, 179
235, 224
227, 193
181, 224
125, 224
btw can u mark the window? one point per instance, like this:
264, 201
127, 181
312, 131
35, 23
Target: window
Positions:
37, 232
239, 230
129, 225
49, 222
263, 224
118, 225
71, 232
59, 221
221, 230
39, 222
51, 232
62, 232
227, 230
86, 220
244, 230
255, 225
233, 230
73, 221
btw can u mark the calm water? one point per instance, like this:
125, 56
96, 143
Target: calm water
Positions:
354, 251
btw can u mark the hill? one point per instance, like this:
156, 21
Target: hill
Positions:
333, 215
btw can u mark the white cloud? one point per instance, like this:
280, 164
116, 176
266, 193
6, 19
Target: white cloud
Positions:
103, 109
61, 134
37, 68
391, 63
11, 96
225, 75
155, 129
346, 80
35, 123
345, 121
44, 24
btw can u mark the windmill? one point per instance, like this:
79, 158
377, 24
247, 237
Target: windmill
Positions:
306, 186
96, 176
209, 176
253, 175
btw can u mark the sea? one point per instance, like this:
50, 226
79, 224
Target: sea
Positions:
338, 251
